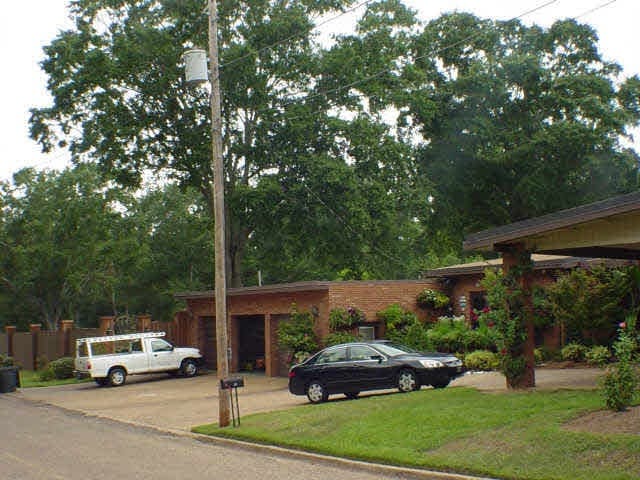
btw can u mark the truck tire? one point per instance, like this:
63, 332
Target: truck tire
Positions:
189, 368
117, 377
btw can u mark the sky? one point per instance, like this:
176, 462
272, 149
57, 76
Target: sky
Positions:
31, 24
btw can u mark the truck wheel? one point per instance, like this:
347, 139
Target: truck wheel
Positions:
189, 368
117, 377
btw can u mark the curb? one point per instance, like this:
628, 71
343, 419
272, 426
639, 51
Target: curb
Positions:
358, 465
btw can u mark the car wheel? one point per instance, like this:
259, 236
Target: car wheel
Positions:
441, 383
117, 377
316, 392
189, 368
101, 382
407, 380
351, 395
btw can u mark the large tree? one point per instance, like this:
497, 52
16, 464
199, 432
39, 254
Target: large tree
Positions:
63, 242
119, 101
511, 121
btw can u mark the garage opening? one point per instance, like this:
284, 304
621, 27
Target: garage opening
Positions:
251, 342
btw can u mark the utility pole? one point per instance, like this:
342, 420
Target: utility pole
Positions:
222, 343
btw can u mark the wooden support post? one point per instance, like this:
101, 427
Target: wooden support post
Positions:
34, 329
11, 330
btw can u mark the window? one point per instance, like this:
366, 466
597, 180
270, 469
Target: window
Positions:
332, 356
362, 352
367, 333
161, 346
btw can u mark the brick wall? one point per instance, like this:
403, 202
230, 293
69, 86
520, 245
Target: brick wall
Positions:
371, 297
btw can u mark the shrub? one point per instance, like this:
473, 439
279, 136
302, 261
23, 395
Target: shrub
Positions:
597, 355
482, 360
396, 318
429, 298
46, 375
619, 385
345, 318
6, 361
336, 338
296, 334
62, 368
573, 352
538, 355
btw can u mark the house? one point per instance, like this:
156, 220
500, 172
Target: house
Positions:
254, 314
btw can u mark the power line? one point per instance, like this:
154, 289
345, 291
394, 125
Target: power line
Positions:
595, 9
296, 35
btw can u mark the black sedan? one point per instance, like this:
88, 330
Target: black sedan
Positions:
351, 368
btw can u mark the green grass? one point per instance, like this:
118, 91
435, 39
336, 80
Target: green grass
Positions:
30, 378
510, 435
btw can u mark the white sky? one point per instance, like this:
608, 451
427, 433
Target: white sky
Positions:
31, 24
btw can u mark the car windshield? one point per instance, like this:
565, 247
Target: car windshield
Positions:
393, 349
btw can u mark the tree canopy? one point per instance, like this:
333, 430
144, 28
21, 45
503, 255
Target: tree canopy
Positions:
370, 156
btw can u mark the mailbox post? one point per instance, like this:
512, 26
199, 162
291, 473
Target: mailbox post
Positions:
233, 384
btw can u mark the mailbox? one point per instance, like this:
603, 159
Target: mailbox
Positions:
229, 383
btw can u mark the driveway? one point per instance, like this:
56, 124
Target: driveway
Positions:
165, 402
181, 403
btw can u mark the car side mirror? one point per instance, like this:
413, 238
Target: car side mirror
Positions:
377, 357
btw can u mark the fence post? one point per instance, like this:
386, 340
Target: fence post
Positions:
34, 329
144, 323
11, 330
65, 337
106, 325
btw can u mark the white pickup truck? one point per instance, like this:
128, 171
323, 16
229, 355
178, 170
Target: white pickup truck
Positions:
108, 360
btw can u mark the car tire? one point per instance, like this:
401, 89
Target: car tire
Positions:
351, 395
189, 368
407, 380
101, 382
441, 383
316, 393
117, 377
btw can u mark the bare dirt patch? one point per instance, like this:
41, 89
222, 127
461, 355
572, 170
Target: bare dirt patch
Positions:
608, 422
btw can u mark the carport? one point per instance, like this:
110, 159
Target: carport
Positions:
605, 229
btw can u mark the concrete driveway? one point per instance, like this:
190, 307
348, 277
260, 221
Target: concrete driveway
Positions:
181, 403
165, 402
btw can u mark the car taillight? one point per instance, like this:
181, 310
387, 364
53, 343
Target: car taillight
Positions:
292, 374
88, 365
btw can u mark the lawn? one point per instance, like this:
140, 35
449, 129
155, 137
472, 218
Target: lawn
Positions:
29, 378
507, 435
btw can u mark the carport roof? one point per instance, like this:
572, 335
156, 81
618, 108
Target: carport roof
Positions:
609, 228
540, 262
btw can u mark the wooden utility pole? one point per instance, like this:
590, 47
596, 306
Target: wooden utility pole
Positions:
218, 207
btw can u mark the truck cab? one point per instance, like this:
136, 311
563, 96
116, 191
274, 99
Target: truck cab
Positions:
110, 359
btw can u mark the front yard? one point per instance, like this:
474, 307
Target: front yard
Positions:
528, 435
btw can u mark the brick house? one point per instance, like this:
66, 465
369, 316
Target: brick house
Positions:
255, 312
462, 284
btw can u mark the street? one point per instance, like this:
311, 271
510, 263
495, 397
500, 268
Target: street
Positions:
40, 442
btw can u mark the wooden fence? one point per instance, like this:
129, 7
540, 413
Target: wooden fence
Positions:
34, 348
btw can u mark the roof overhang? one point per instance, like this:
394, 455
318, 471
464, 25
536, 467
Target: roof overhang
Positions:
610, 229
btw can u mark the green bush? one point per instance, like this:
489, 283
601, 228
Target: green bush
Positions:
573, 352
336, 338
538, 355
46, 375
429, 298
482, 360
6, 361
620, 384
345, 318
296, 334
62, 368
598, 355
396, 318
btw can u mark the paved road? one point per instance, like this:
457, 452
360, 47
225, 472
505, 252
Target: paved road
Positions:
42, 442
